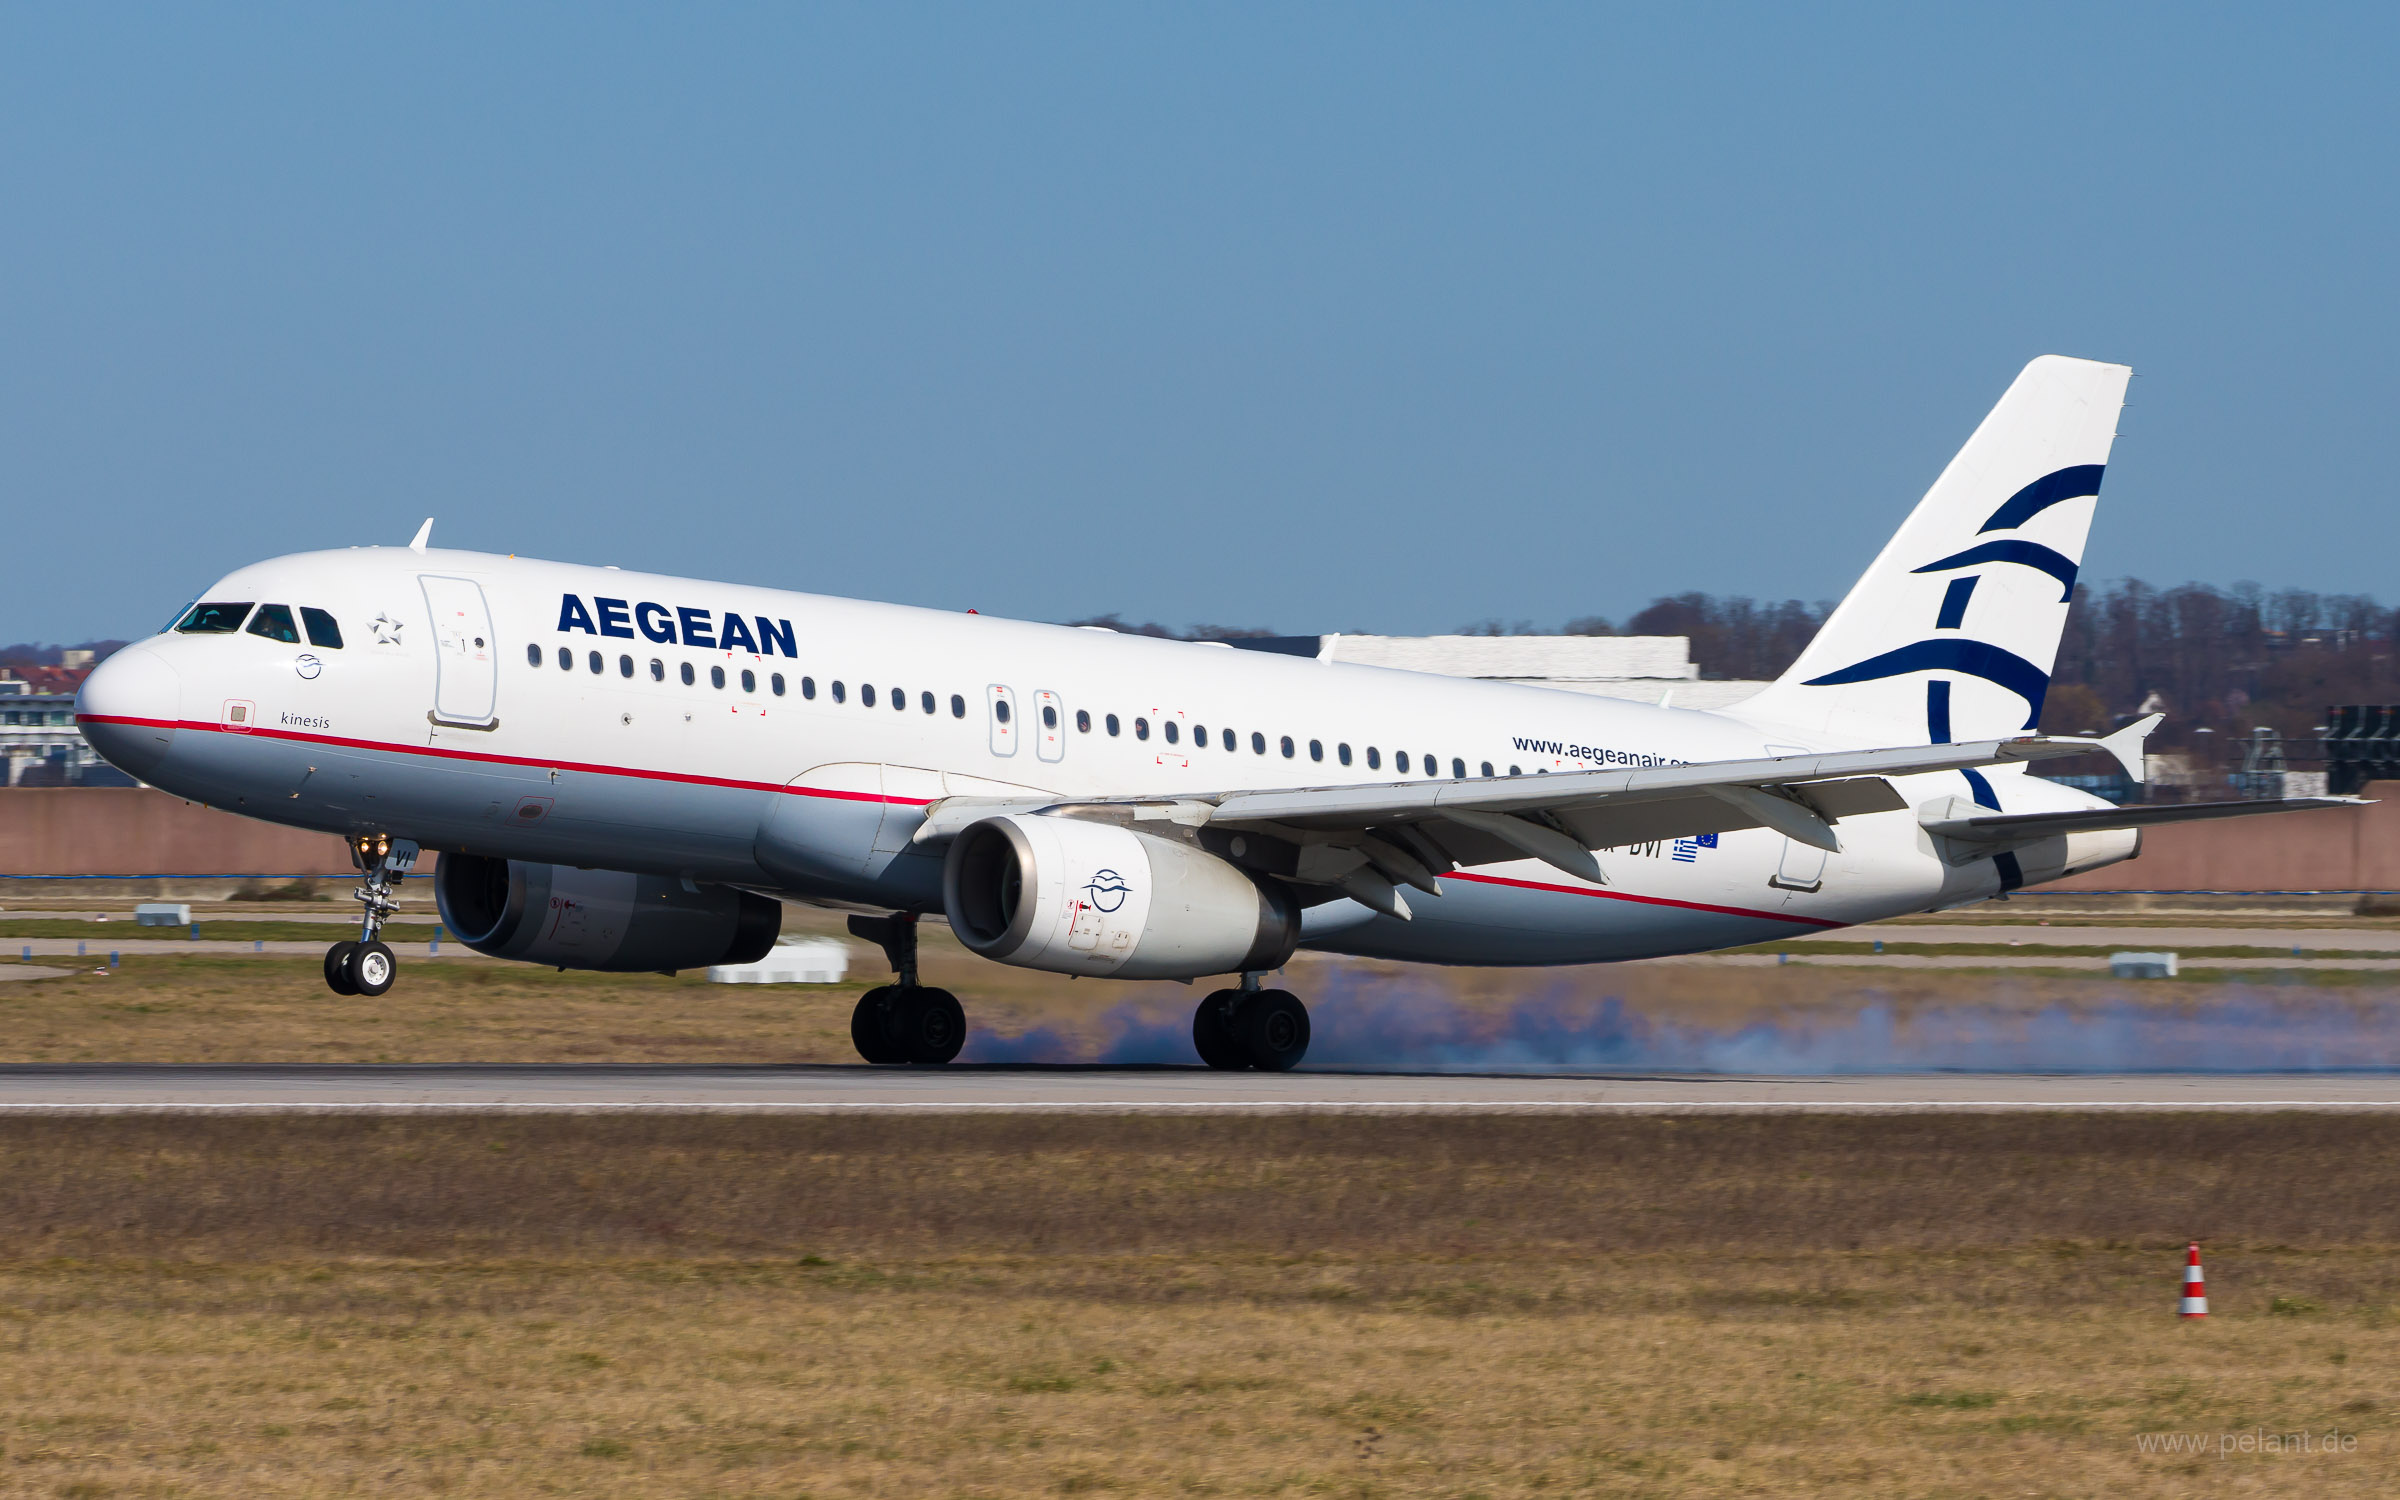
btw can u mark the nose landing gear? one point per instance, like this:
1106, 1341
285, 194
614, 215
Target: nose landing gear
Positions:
906, 1022
367, 967
1251, 1028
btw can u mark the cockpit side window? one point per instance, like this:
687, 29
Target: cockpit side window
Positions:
274, 621
214, 619
323, 630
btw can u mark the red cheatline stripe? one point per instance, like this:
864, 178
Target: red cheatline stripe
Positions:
1605, 895
480, 757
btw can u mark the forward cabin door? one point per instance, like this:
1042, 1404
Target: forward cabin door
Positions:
466, 683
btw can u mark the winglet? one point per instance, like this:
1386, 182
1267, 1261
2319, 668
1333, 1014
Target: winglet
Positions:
424, 535
2126, 743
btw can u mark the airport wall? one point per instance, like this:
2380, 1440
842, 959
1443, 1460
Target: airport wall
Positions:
137, 832
2334, 849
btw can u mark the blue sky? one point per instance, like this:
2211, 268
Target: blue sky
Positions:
1377, 317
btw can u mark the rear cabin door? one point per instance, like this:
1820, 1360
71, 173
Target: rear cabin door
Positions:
1802, 867
466, 682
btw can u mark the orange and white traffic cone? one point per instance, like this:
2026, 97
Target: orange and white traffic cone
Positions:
2195, 1290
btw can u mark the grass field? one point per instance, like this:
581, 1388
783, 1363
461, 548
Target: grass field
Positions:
1020, 1305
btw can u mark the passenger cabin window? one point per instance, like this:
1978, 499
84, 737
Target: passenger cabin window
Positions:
1374, 759
214, 619
899, 700
1399, 760
808, 687
598, 666
1049, 716
1341, 752
1287, 747
1141, 729
775, 683
1316, 750
533, 655
1458, 769
687, 674
1487, 768
925, 701
716, 677
323, 629
1258, 743
1173, 731
658, 670
1083, 721
1000, 709
274, 621
1225, 738
866, 695
958, 706
566, 660
749, 681
624, 666
1111, 723
839, 692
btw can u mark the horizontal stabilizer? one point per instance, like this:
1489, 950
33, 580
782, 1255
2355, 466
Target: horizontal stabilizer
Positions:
2015, 829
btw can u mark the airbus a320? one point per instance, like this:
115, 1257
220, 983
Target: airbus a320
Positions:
623, 771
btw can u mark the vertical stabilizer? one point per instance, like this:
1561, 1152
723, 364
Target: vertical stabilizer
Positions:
1953, 631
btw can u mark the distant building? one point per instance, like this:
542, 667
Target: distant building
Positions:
62, 679
1642, 668
41, 743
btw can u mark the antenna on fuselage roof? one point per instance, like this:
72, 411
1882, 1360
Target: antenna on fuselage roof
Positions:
424, 535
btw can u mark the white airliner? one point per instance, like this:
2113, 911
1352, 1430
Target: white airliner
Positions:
625, 771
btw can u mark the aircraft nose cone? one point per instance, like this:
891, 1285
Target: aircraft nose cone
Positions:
128, 708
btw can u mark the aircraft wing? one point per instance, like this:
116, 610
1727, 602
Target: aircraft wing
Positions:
1991, 832
1367, 840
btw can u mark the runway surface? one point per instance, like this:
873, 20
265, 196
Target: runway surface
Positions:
843, 1089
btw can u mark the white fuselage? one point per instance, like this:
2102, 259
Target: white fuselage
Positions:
447, 717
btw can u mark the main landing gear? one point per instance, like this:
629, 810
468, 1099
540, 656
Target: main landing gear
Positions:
1251, 1028
366, 967
906, 1022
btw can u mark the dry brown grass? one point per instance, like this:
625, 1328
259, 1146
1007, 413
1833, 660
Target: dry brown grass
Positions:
1012, 1305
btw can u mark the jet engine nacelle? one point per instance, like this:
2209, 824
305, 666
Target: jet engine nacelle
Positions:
599, 919
1075, 897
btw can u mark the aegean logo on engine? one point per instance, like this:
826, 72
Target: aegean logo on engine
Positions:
682, 625
1107, 890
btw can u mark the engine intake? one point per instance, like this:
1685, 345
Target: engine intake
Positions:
1075, 897
608, 920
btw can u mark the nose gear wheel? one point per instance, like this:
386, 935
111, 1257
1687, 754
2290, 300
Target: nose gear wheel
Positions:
366, 966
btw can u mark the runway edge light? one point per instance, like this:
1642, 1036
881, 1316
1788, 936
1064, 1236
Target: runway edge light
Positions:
2195, 1290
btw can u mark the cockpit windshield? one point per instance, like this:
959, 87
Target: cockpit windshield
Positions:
274, 621
322, 629
215, 619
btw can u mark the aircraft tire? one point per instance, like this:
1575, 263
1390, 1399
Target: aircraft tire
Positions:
337, 968
1273, 1029
1212, 1032
928, 1026
871, 1028
371, 968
